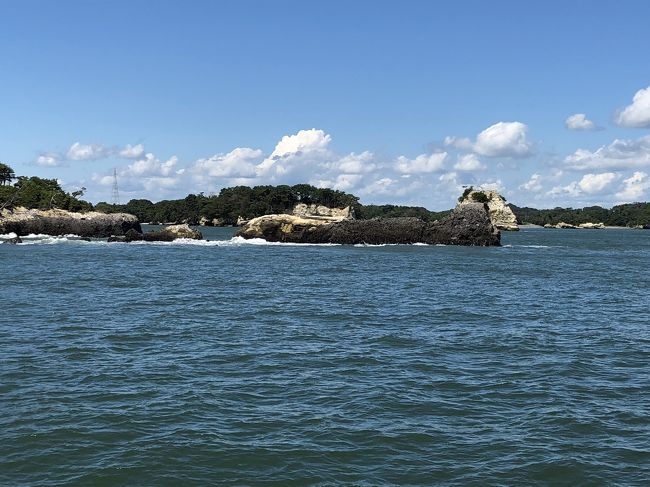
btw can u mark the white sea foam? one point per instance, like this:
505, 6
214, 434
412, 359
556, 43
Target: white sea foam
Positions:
233, 242
387, 245
35, 239
509, 246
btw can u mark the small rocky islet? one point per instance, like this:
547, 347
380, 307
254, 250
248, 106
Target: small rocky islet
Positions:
468, 224
116, 227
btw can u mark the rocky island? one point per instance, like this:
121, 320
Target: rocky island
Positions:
468, 224
23, 221
117, 227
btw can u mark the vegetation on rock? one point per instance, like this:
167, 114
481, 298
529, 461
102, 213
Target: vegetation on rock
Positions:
626, 215
480, 197
6, 174
247, 202
37, 193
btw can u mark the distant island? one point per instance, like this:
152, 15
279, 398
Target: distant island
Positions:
240, 203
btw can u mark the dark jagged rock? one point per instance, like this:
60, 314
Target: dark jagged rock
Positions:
168, 234
468, 224
22, 221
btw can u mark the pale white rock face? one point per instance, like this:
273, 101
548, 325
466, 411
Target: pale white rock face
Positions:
183, 231
565, 225
215, 222
253, 228
307, 216
591, 226
500, 213
323, 212
61, 222
20, 214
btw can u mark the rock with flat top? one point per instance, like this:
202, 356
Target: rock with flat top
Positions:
167, 234
23, 221
323, 212
565, 225
591, 226
182, 231
468, 224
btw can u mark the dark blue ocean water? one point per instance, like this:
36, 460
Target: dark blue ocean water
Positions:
241, 364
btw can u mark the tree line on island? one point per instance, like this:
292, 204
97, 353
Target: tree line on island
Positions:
243, 202
231, 204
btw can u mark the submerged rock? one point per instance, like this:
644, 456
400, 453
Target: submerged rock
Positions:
501, 214
168, 234
22, 221
13, 241
468, 224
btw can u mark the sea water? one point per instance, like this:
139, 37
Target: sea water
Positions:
243, 363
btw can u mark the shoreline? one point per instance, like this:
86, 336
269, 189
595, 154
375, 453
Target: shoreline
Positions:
606, 227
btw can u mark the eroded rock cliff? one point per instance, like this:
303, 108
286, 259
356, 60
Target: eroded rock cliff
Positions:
22, 221
468, 224
501, 214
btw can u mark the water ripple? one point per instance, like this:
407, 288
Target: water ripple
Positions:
231, 363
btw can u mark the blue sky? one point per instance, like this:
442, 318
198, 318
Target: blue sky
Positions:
398, 102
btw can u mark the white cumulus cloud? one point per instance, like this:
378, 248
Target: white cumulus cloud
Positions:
383, 186
132, 151
150, 175
150, 165
590, 184
304, 140
619, 154
634, 187
534, 184
49, 159
504, 139
356, 163
579, 121
343, 182
421, 164
468, 162
87, 152
300, 149
572, 189
637, 114
462, 143
239, 162
595, 183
